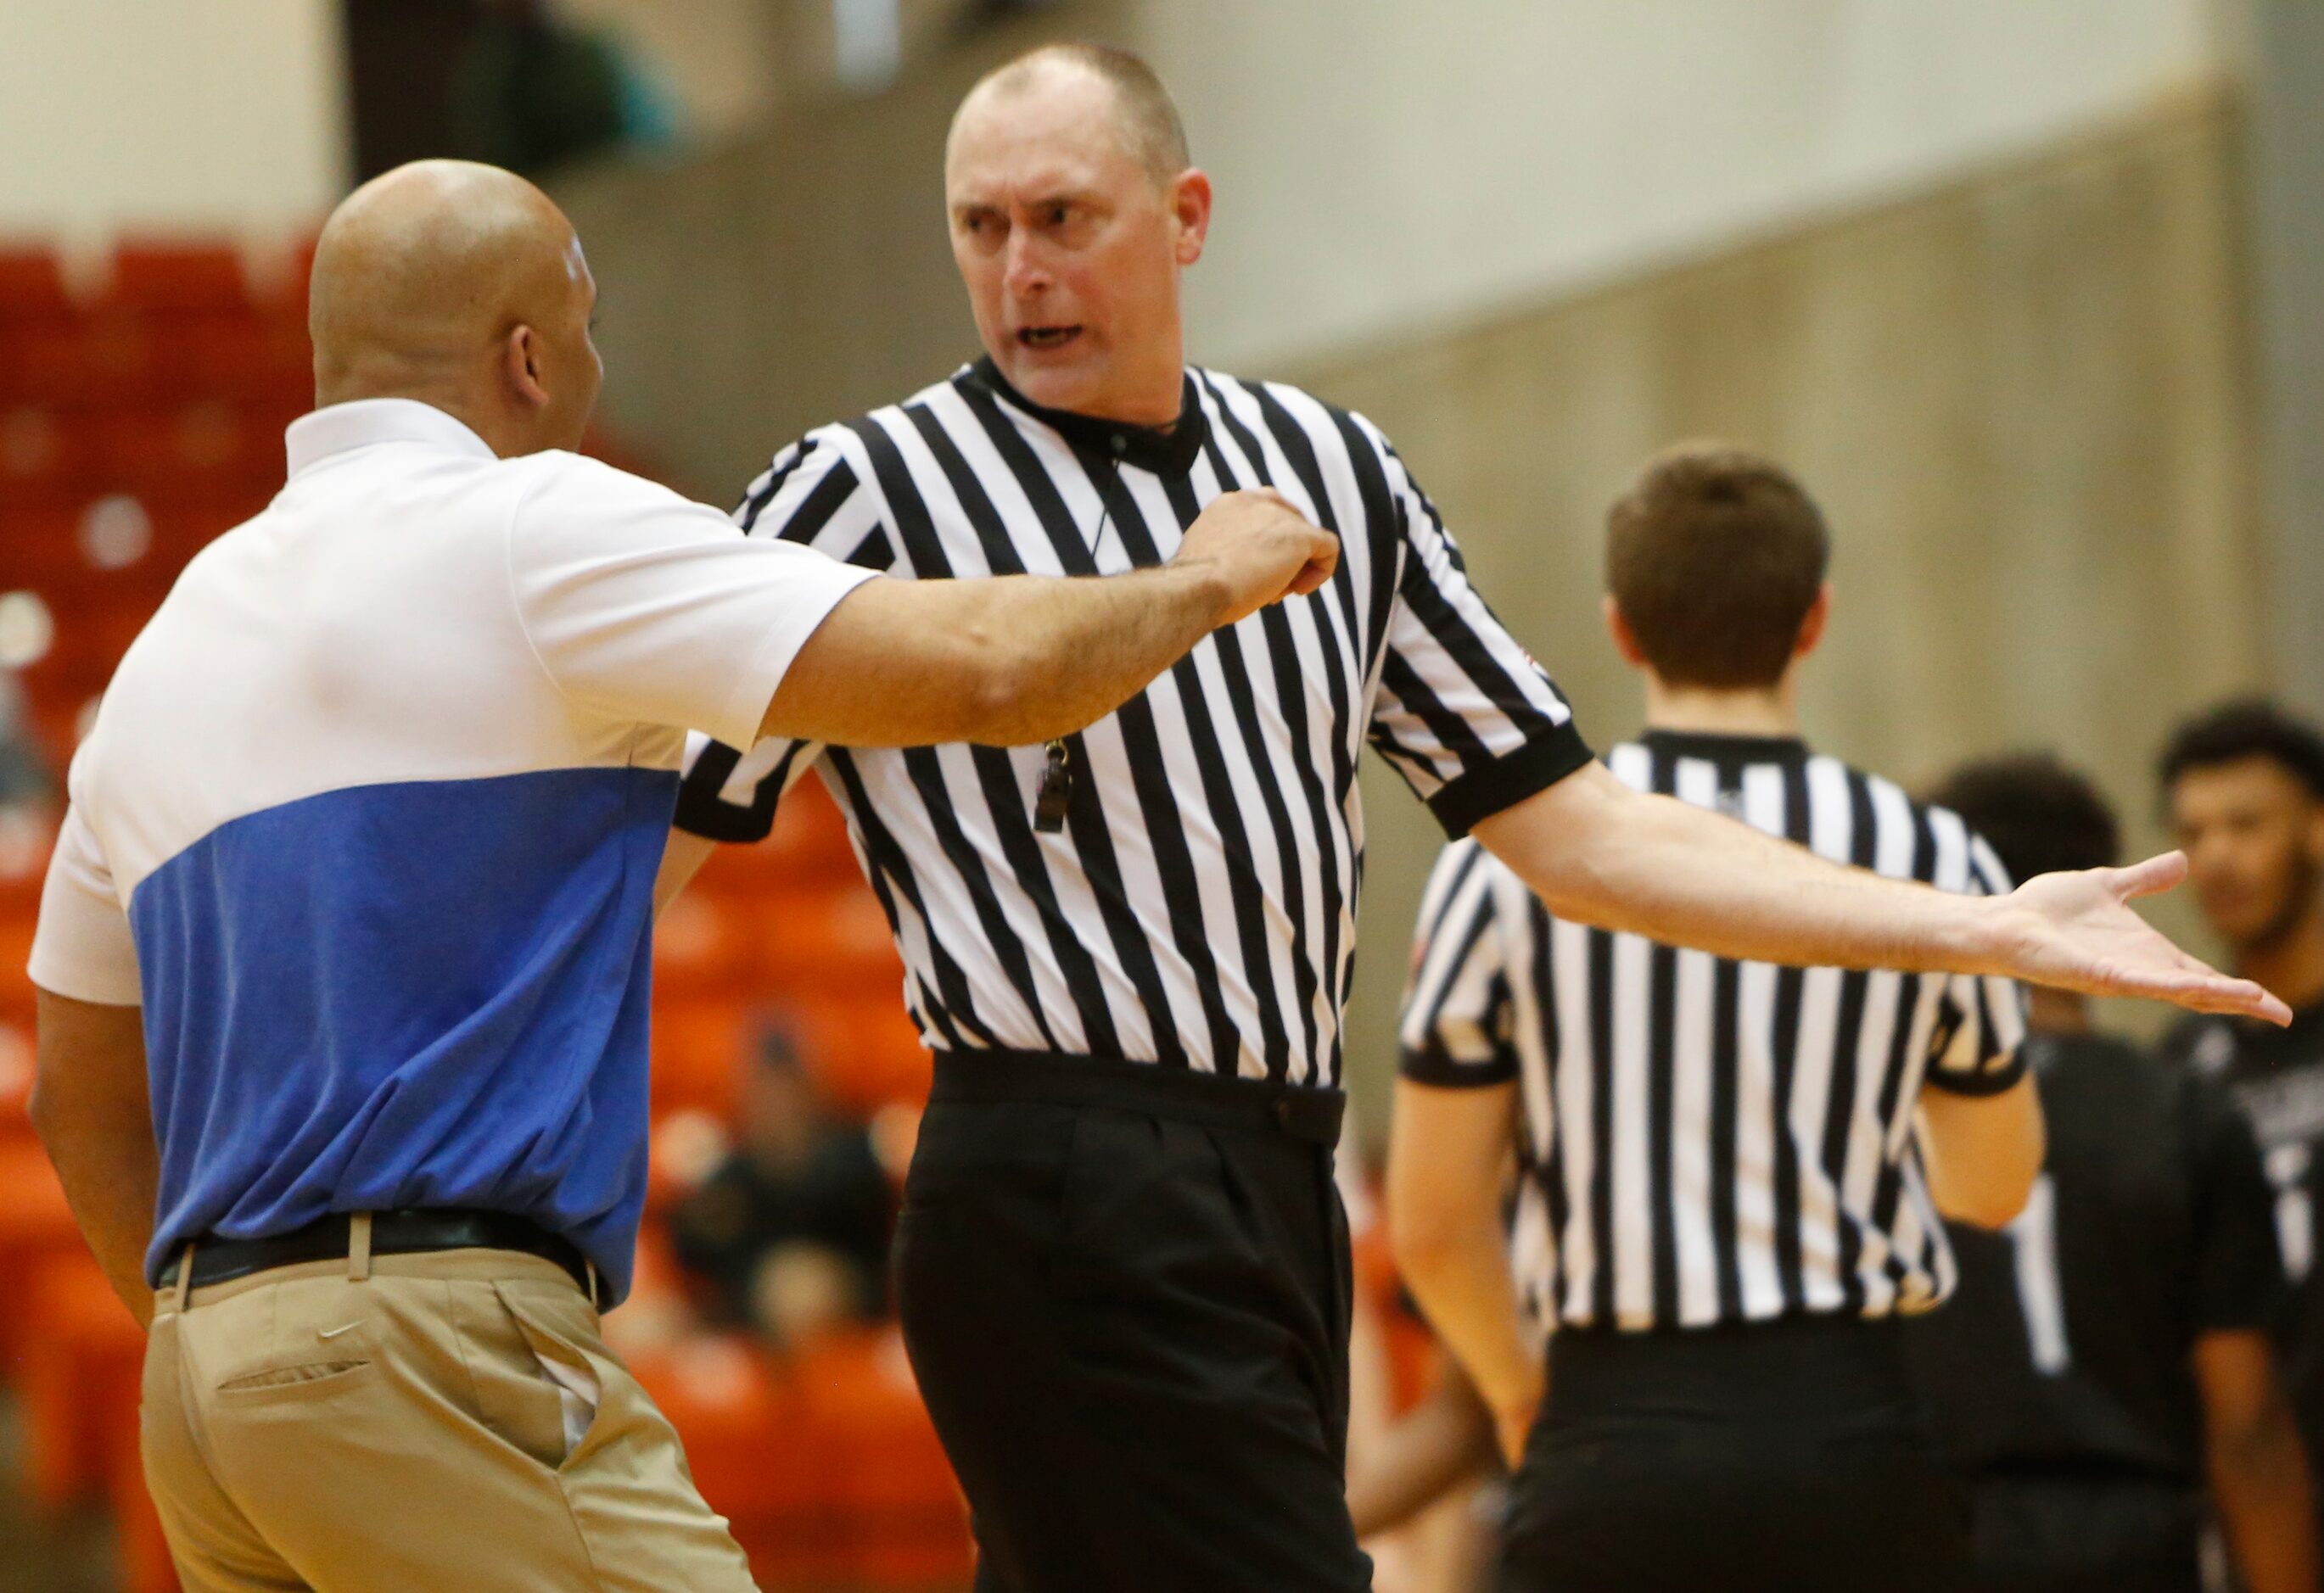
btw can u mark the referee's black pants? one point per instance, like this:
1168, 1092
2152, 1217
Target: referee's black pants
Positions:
1125, 1291
1785, 1455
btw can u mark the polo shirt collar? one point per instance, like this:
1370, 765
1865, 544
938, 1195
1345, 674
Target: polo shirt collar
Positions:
1149, 447
341, 427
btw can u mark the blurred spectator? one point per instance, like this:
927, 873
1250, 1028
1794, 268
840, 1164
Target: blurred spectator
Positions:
532, 93
2244, 785
28, 787
788, 1234
2108, 1353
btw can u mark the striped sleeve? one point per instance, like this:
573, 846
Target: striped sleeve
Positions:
815, 493
1978, 1047
1467, 717
1457, 1030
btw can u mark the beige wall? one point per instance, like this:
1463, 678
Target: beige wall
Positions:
2021, 400
203, 115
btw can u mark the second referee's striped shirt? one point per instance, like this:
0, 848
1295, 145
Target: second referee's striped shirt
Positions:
1704, 1140
1198, 907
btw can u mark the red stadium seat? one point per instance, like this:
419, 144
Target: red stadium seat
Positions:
32, 286
210, 444
699, 1049
832, 944
865, 1053
907, 1524
702, 948
79, 1380
47, 455
36, 1226
152, 276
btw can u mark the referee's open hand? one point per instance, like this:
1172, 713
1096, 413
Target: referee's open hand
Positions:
2076, 931
1264, 550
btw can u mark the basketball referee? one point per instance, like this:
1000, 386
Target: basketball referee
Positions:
1717, 1153
1122, 1270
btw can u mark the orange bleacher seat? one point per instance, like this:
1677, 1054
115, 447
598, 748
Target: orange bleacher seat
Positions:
46, 455
78, 1378
39, 545
702, 948
699, 1049
204, 445
865, 1053
35, 1227
166, 275
906, 1523
32, 286
755, 1458
831, 943
140, 1546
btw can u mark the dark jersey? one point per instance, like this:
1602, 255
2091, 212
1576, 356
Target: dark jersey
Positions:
2066, 1346
2277, 1077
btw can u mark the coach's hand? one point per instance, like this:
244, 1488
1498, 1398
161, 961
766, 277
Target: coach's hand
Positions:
1261, 547
2076, 931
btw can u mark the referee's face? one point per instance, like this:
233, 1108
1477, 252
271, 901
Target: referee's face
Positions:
1072, 248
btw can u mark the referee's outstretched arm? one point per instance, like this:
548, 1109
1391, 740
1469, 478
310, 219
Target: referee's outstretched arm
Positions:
1601, 853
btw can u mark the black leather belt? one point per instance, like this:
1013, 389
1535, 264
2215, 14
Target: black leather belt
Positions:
392, 1233
1305, 1112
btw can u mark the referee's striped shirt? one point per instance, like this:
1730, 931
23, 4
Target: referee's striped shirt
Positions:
1198, 907
1705, 1141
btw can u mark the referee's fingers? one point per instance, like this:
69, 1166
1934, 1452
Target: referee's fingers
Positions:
2152, 877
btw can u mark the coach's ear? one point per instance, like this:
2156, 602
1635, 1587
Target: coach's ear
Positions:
1813, 623
520, 368
1618, 626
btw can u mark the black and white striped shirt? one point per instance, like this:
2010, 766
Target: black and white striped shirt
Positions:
1198, 909
1705, 1141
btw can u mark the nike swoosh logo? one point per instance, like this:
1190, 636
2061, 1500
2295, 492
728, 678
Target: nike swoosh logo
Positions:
335, 1332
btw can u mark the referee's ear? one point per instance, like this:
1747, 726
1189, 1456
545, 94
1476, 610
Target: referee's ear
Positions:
1813, 623
1625, 641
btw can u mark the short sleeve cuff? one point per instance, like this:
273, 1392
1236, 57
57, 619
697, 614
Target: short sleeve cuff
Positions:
1999, 1074
1436, 1068
756, 682
1462, 804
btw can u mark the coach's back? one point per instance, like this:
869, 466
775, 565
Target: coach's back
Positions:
383, 787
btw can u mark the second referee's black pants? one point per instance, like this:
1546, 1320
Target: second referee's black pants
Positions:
1786, 1456
1125, 1293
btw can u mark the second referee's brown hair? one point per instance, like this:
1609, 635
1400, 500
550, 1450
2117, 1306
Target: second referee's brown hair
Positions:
1715, 555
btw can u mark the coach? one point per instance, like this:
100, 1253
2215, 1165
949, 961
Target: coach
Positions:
343, 954
1122, 1271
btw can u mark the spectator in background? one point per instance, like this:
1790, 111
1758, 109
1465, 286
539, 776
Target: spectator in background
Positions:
2244, 785
790, 1232
533, 93
28, 787
2110, 1350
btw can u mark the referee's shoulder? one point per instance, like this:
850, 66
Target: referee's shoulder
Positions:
1246, 398
1958, 858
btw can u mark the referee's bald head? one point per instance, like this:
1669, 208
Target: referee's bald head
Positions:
1143, 117
1073, 213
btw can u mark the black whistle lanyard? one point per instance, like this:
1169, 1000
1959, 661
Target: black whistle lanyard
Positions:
1054, 795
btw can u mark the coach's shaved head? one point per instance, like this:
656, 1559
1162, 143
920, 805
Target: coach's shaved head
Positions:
1073, 213
1145, 118
462, 286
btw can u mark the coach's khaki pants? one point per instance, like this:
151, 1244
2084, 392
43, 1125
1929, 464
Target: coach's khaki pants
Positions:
447, 1424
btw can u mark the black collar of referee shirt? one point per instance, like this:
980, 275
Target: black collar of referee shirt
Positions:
1170, 450
1726, 749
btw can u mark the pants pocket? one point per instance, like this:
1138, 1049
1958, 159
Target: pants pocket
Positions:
560, 1361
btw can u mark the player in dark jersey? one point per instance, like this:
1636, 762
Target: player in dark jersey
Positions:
2109, 1349
2243, 785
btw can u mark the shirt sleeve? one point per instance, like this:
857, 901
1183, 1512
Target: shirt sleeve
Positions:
2238, 1268
1469, 718
1457, 1030
651, 608
1978, 1045
83, 949
812, 496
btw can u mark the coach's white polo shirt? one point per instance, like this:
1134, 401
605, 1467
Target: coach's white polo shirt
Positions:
369, 820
